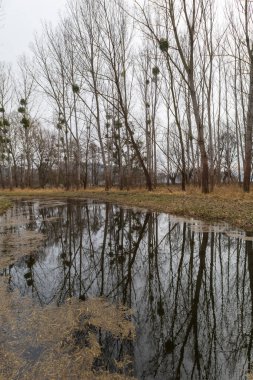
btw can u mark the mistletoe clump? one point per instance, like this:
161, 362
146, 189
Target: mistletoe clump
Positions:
155, 71
26, 123
163, 45
75, 88
21, 109
23, 102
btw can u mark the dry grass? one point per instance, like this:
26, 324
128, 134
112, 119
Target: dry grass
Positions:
227, 203
43, 343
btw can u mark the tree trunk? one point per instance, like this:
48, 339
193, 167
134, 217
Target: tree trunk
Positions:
248, 135
201, 142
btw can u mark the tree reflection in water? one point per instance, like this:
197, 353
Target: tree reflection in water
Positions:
191, 292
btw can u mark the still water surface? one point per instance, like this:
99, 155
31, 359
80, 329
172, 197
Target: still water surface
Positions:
190, 285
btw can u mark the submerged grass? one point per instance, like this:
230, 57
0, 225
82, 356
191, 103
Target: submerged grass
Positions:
17, 242
16, 246
227, 203
60, 342
52, 342
5, 203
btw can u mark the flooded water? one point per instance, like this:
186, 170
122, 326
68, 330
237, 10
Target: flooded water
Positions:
189, 286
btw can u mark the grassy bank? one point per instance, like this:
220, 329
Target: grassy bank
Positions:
226, 203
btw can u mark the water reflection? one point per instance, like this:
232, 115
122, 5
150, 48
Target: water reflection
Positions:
192, 291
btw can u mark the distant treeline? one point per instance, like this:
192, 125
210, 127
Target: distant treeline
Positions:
121, 93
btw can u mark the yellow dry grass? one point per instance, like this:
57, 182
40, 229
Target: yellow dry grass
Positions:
227, 203
52, 333
224, 191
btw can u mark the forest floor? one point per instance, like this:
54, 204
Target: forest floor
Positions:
227, 203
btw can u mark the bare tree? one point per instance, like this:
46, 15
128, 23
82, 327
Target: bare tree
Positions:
25, 91
183, 21
6, 107
87, 34
115, 45
248, 19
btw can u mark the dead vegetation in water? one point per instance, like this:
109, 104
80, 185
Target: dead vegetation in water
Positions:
52, 219
4, 204
59, 342
16, 240
54, 342
227, 203
14, 246
45, 204
14, 221
10, 365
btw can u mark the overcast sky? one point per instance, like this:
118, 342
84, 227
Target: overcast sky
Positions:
19, 21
